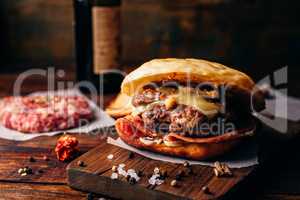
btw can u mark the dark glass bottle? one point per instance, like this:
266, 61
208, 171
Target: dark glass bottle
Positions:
97, 38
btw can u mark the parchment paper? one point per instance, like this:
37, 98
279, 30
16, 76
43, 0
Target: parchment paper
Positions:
243, 156
101, 120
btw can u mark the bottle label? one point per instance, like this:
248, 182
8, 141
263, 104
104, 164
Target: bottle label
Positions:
106, 38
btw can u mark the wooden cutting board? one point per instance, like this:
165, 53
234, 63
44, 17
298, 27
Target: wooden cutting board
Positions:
95, 177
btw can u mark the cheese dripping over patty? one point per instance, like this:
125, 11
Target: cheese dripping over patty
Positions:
185, 96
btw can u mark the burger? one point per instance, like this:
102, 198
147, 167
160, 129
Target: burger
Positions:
190, 108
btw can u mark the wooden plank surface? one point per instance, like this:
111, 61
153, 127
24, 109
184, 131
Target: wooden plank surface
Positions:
48, 184
15, 156
278, 178
95, 177
28, 191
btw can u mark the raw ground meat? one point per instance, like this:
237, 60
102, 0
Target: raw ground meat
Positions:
36, 114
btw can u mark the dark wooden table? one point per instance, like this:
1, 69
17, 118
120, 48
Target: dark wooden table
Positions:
278, 178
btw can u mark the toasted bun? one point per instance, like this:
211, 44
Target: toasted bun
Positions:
238, 84
196, 149
120, 106
181, 70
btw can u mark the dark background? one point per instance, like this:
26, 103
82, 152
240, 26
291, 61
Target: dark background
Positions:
256, 36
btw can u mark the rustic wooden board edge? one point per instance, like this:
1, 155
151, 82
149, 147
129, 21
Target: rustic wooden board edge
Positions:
106, 186
240, 183
82, 179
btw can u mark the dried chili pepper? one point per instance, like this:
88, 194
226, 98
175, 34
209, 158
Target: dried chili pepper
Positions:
66, 147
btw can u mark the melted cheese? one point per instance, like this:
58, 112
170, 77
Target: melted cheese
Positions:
139, 109
150, 141
147, 141
185, 96
171, 142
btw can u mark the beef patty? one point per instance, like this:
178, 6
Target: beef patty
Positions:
183, 119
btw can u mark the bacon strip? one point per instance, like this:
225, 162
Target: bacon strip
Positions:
131, 128
138, 123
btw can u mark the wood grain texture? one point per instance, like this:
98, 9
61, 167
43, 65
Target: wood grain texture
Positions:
15, 155
95, 177
277, 178
27, 191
